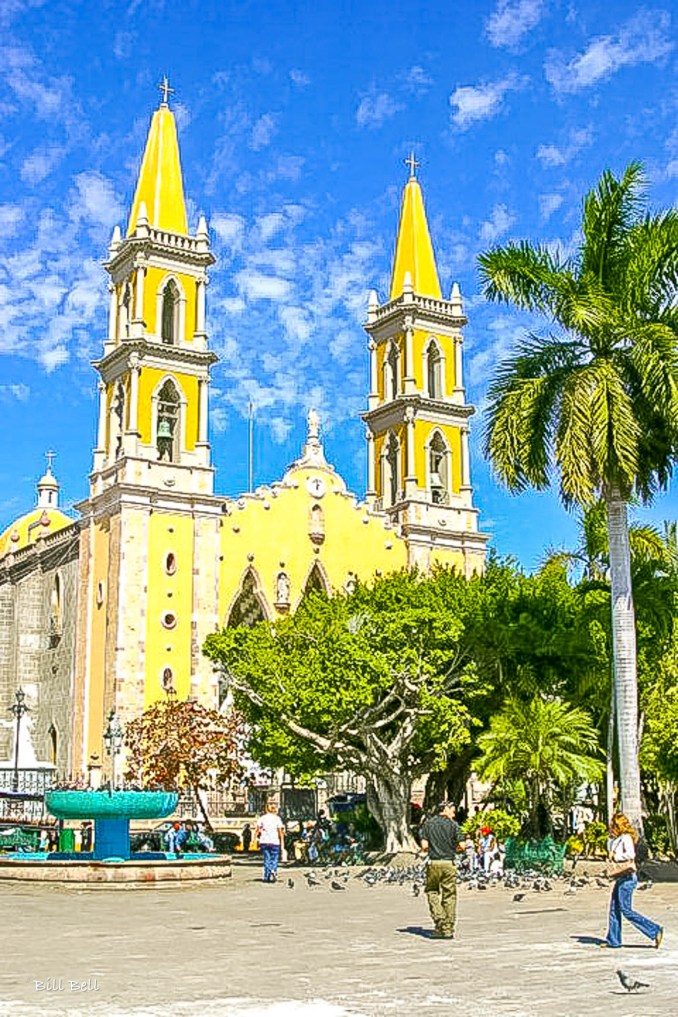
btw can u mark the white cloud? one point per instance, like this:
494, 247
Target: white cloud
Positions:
17, 391
471, 103
39, 164
11, 217
500, 222
298, 78
229, 228
256, 286
642, 39
417, 80
376, 109
511, 20
263, 131
95, 200
553, 155
270, 224
53, 358
548, 204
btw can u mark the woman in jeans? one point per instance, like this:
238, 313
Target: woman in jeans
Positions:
621, 849
271, 836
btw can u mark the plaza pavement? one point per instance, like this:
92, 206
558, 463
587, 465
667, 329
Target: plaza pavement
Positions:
246, 949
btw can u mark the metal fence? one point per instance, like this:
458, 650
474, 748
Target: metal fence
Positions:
24, 801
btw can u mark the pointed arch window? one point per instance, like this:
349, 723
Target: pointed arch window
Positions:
316, 582
168, 423
248, 608
53, 744
170, 314
118, 419
390, 470
126, 310
434, 371
439, 470
391, 372
55, 609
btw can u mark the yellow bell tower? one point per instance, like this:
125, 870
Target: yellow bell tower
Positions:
148, 567
417, 417
155, 368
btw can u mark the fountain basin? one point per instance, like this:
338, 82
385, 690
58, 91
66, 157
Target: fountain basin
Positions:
111, 804
136, 873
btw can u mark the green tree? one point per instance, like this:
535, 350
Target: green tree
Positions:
376, 682
599, 400
544, 745
179, 743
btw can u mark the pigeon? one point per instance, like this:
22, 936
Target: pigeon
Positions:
647, 885
416, 889
482, 886
337, 886
630, 984
517, 897
312, 879
600, 882
290, 883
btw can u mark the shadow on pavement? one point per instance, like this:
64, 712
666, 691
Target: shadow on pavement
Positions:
417, 930
598, 941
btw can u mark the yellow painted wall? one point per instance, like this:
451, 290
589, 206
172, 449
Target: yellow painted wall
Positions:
101, 573
281, 533
155, 277
188, 384
422, 432
169, 647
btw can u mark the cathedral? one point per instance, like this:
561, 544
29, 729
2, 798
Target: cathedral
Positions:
110, 611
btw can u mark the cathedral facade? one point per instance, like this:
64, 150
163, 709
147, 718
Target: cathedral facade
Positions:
110, 611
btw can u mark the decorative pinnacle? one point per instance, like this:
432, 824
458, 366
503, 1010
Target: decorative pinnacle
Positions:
413, 164
164, 87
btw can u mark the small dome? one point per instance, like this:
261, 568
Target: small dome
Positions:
24, 530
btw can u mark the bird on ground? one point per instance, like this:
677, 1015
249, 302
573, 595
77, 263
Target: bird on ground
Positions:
416, 889
547, 885
630, 984
482, 886
337, 886
601, 883
517, 897
571, 890
312, 879
647, 885
290, 883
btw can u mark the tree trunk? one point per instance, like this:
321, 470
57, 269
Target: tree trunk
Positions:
609, 760
624, 642
201, 806
388, 799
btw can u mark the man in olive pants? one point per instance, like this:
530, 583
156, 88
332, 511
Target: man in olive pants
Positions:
440, 839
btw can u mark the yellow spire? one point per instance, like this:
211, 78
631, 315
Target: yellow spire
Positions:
160, 187
414, 251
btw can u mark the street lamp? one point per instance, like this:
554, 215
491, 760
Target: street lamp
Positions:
113, 739
18, 709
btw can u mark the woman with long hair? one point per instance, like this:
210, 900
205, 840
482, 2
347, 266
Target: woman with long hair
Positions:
621, 849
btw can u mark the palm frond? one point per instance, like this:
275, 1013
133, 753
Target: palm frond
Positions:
529, 277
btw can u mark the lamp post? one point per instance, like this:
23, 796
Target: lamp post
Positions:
18, 709
113, 739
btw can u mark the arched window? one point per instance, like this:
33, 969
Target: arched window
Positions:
392, 371
169, 330
55, 609
247, 609
316, 530
434, 374
168, 423
390, 472
438, 469
53, 744
118, 419
316, 582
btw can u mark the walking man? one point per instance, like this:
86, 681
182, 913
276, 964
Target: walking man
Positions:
440, 838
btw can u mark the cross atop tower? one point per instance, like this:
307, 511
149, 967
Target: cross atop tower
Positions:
164, 87
412, 163
49, 456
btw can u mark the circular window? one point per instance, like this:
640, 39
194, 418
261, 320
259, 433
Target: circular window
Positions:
169, 620
170, 564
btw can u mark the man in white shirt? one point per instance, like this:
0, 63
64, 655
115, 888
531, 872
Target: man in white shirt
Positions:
271, 837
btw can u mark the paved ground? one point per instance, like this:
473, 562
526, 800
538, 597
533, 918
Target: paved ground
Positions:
246, 949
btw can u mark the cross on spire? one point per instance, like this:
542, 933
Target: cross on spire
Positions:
164, 87
49, 456
412, 163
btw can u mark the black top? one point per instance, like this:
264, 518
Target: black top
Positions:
443, 836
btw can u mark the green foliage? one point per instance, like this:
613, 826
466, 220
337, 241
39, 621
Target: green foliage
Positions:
594, 837
656, 830
659, 749
502, 824
365, 825
545, 744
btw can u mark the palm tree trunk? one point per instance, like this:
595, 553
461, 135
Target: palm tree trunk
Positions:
624, 642
609, 761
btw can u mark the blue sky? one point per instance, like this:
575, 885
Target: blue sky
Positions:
294, 120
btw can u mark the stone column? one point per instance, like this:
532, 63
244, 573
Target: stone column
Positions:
200, 286
409, 385
371, 492
112, 313
465, 461
373, 397
458, 379
135, 370
203, 410
101, 433
411, 474
139, 294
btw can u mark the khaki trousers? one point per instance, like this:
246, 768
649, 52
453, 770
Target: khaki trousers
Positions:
441, 893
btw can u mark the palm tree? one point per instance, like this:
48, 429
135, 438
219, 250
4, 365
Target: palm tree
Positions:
598, 401
545, 744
